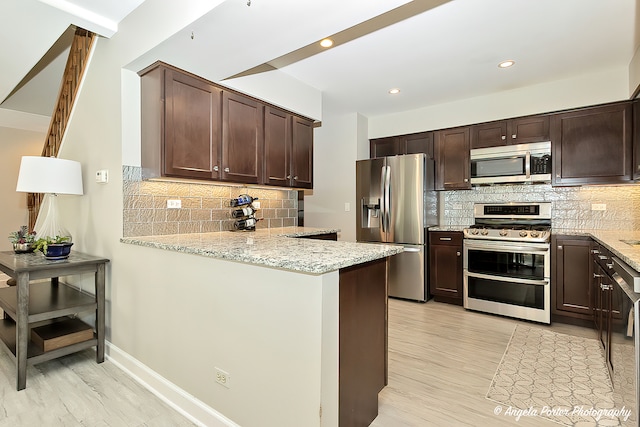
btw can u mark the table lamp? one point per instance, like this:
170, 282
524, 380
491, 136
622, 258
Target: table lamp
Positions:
51, 176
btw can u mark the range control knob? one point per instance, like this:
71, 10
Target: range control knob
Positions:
484, 232
503, 233
535, 233
474, 231
523, 233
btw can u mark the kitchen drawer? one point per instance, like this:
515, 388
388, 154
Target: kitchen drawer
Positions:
451, 238
603, 258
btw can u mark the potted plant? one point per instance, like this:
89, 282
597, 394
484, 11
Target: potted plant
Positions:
57, 247
22, 240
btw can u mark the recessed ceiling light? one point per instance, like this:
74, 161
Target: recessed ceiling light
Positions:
394, 91
506, 64
326, 43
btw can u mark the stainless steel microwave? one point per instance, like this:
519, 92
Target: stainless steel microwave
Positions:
522, 163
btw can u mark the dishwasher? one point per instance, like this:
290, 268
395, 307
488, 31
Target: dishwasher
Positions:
623, 339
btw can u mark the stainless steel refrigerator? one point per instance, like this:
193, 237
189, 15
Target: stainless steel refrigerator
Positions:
396, 203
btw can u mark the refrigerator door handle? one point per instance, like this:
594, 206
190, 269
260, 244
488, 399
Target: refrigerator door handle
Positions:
383, 195
387, 197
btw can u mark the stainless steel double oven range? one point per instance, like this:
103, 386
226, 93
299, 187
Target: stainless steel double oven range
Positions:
507, 261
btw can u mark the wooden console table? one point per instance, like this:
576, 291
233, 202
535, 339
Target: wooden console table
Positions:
28, 305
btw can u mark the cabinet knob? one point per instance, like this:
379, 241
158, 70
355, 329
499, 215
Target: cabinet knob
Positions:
288, 176
595, 276
216, 168
514, 136
609, 265
560, 247
503, 137
457, 253
295, 178
595, 251
226, 169
466, 180
557, 175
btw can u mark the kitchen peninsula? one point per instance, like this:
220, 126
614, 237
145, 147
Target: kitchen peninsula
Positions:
316, 306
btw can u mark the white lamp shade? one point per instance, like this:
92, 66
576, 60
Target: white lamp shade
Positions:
49, 175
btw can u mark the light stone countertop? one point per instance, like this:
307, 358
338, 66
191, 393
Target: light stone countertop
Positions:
612, 240
274, 247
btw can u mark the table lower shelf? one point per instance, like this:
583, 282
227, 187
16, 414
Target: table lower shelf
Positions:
34, 353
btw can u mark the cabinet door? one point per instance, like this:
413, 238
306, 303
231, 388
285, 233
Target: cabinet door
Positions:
636, 140
383, 147
417, 143
445, 264
492, 134
572, 279
592, 145
277, 147
302, 152
528, 129
242, 139
452, 159
192, 127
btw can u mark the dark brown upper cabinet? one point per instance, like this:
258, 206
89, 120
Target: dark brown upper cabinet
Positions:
242, 139
181, 113
288, 149
636, 140
302, 160
593, 145
453, 165
414, 143
515, 131
192, 128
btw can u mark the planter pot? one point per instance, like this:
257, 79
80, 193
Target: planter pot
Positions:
22, 248
58, 251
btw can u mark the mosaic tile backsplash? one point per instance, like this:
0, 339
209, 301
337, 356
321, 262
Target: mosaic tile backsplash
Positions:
204, 206
571, 206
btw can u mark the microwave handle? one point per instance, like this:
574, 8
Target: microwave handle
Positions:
527, 165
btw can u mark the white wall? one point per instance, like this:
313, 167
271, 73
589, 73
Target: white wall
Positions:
334, 169
589, 89
14, 143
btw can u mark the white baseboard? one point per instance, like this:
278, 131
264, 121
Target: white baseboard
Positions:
189, 406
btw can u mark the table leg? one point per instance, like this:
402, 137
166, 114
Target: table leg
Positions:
22, 329
100, 313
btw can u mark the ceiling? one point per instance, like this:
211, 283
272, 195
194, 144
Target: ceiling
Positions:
433, 51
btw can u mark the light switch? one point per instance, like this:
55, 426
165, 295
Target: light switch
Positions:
347, 207
102, 176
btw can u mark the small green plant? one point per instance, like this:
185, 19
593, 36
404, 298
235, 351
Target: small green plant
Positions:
22, 236
43, 243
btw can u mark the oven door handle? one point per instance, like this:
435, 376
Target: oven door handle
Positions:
502, 247
507, 279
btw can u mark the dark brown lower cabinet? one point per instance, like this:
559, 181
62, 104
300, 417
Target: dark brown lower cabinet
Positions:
571, 277
363, 341
445, 266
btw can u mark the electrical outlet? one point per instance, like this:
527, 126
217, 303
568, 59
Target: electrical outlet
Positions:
598, 207
256, 204
223, 378
174, 204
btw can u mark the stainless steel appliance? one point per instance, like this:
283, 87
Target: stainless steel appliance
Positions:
521, 163
396, 203
507, 261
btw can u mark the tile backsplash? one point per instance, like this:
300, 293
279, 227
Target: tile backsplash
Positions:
571, 206
204, 206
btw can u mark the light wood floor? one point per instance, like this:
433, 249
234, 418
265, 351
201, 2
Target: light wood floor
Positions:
442, 359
